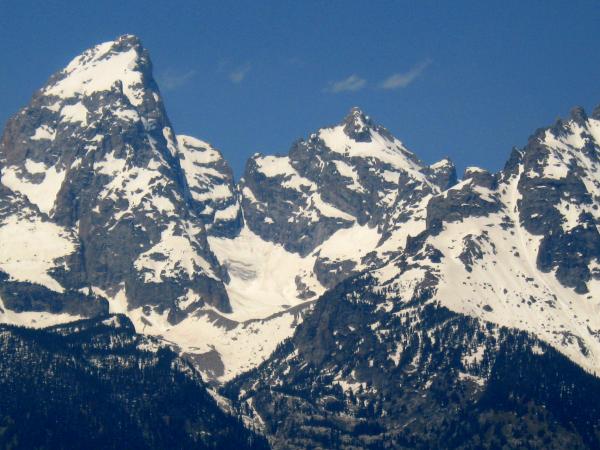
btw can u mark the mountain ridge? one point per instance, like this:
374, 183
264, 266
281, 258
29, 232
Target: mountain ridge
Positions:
215, 261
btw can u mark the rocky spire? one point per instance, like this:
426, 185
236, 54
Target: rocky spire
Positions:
578, 115
357, 125
96, 153
443, 173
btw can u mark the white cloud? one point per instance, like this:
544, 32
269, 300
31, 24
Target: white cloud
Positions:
238, 74
351, 84
172, 79
403, 79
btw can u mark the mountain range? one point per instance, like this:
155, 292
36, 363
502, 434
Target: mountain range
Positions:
343, 295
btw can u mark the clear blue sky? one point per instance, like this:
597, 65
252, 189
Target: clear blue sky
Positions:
465, 79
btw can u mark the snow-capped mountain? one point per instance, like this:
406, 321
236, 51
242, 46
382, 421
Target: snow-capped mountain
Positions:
345, 289
104, 207
94, 153
485, 322
275, 272
153, 222
519, 248
351, 174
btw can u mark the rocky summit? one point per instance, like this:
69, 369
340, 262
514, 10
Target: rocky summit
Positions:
94, 153
344, 294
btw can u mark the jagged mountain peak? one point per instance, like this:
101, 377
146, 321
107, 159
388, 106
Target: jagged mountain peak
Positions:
354, 172
103, 107
443, 173
578, 114
359, 137
553, 152
123, 64
129, 39
473, 170
444, 162
560, 189
596, 113
357, 125
521, 247
95, 152
357, 114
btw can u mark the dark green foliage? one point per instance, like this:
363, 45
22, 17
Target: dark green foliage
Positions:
96, 384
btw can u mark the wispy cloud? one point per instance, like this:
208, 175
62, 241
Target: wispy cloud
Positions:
403, 79
351, 84
238, 74
172, 79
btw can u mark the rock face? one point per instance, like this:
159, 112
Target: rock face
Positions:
34, 254
94, 152
443, 174
560, 195
212, 186
108, 388
473, 197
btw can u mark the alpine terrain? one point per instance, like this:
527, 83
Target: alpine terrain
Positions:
344, 294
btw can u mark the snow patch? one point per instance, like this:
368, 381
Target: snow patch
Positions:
42, 194
44, 132
173, 257
263, 275
29, 249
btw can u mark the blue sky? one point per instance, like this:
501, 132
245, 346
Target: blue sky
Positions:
465, 79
